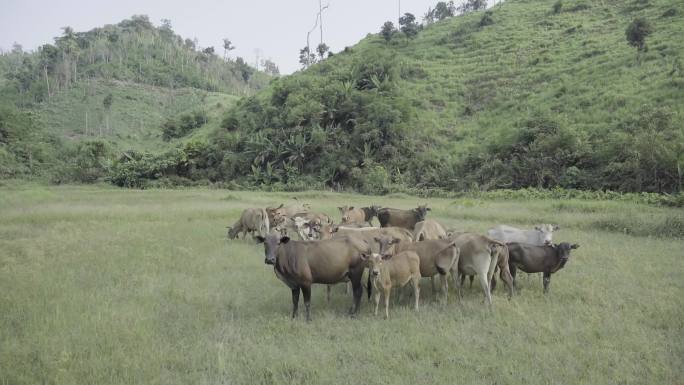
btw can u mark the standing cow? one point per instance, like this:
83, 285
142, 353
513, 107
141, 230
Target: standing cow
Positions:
299, 264
539, 259
351, 215
402, 218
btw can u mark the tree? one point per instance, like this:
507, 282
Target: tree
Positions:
472, 5
17, 49
408, 25
270, 67
227, 47
107, 104
388, 30
637, 31
306, 58
444, 10
208, 51
322, 49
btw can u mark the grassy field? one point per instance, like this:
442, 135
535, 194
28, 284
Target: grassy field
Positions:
107, 286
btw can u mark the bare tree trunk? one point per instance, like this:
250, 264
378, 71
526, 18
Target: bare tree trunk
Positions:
47, 81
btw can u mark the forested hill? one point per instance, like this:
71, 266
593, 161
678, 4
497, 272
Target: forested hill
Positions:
570, 93
529, 93
69, 109
133, 50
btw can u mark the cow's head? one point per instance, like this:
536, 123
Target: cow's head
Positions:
545, 233
271, 243
375, 262
374, 210
326, 231
343, 209
421, 212
563, 250
386, 243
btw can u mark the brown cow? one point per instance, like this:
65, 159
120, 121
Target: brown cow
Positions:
279, 214
358, 215
479, 256
437, 256
299, 264
428, 229
402, 218
252, 220
389, 271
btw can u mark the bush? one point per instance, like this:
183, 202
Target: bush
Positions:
486, 19
637, 31
181, 126
557, 6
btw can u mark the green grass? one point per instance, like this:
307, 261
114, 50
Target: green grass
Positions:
136, 114
107, 286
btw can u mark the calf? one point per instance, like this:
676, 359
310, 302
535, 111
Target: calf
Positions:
437, 256
299, 264
539, 259
428, 229
389, 271
402, 218
252, 220
358, 215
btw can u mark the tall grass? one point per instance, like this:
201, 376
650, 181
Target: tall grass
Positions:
101, 286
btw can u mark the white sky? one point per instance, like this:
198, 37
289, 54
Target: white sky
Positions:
276, 27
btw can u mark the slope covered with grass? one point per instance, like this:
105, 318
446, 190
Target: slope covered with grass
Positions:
519, 96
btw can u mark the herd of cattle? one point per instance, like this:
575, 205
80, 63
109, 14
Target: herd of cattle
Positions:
404, 248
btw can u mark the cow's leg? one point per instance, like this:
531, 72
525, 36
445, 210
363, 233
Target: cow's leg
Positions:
505, 276
295, 301
387, 295
492, 284
432, 283
416, 289
377, 301
306, 290
328, 289
462, 280
444, 283
357, 290
485, 287
513, 270
471, 281
547, 281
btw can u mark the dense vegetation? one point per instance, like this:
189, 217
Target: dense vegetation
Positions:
572, 95
91, 95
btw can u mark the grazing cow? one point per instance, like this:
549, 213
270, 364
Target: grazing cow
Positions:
299, 264
279, 214
428, 229
437, 256
479, 256
539, 259
541, 235
402, 218
252, 220
388, 271
358, 215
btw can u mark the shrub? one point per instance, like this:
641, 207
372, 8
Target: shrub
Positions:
177, 128
486, 19
557, 6
637, 31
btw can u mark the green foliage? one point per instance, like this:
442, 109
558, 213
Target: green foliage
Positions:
557, 6
183, 125
486, 19
387, 31
408, 25
637, 31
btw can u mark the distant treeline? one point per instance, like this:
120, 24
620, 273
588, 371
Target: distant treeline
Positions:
132, 50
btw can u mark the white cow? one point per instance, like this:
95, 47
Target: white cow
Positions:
541, 235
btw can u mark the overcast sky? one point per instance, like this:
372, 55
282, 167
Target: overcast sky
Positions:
275, 27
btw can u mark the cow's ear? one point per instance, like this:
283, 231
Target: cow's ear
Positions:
556, 227
285, 239
537, 228
575, 246
364, 256
386, 256
335, 229
351, 207
428, 209
260, 239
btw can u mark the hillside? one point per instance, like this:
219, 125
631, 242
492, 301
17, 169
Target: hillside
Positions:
119, 86
519, 96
